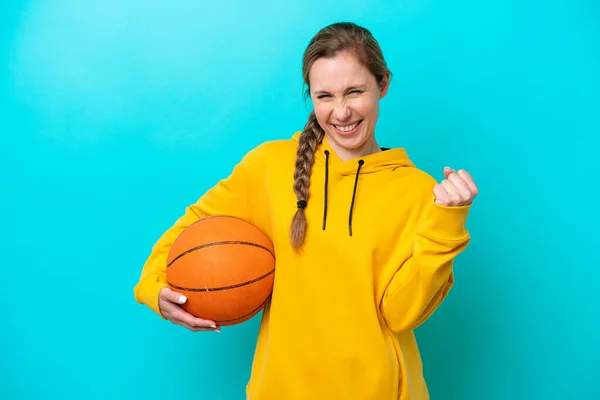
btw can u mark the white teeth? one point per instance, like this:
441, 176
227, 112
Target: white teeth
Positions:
347, 128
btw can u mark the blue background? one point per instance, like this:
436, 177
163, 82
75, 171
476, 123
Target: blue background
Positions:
115, 115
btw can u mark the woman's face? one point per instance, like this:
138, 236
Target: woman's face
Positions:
346, 98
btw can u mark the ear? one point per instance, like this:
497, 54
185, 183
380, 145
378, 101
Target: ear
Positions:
384, 86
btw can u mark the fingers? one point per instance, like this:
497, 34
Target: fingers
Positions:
469, 181
459, 186
457, 189
174, 297
180, 317
447, 172
440, 194
169, 304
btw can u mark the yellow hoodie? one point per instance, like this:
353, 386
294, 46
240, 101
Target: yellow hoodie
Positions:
341, 318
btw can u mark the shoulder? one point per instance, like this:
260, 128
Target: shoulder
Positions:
272, 150
415, 183
422, 178
272, 147
417, 176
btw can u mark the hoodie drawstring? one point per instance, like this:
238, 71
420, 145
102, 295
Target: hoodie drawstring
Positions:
326, 183
360, 164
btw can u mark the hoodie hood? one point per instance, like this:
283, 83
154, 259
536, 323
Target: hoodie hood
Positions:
386, 159
326, 157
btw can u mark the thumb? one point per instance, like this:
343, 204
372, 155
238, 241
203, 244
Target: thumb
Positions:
448, 171
175, 297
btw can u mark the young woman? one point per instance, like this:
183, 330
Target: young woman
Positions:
365, 241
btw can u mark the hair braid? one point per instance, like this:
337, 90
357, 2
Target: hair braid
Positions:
308, 141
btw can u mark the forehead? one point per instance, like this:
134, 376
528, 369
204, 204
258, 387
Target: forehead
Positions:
338, 73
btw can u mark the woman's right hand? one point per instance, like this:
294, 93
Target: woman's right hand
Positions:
169, 304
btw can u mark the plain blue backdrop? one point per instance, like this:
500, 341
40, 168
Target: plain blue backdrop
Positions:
115, 115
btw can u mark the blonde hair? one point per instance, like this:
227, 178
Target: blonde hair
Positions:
327, 43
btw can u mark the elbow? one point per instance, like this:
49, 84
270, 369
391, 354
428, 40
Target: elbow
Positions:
407, 314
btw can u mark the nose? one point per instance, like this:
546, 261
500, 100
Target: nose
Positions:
341, 111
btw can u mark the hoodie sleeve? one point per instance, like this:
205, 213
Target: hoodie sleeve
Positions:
425, 278
229, 196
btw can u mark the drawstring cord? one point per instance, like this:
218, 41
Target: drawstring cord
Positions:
360, 164
326, 184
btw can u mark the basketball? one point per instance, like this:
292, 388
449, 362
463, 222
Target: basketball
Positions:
225, 266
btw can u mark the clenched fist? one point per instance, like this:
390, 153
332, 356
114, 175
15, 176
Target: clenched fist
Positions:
458, 189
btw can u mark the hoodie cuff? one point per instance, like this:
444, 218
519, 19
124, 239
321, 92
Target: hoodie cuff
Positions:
148, 290
446, 222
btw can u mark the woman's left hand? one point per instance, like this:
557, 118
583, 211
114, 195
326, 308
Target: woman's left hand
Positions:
458, 189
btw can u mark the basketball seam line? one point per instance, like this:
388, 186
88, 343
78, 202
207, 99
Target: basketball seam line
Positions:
217, 244
224, 287
243, 316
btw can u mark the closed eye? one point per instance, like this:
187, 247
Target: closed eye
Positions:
351, 92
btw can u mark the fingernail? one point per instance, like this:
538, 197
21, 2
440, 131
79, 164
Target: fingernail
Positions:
182, 299
218, 330
213, 326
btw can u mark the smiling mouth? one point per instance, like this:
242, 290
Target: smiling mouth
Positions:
347, 129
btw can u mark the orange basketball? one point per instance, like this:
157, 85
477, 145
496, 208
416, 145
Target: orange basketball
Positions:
225, 266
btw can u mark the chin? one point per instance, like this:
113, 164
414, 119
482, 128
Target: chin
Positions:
349, 143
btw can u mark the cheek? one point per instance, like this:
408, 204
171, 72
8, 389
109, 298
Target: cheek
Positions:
322, 112
366, 107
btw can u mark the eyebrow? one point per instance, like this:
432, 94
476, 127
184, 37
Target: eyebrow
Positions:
349, 89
